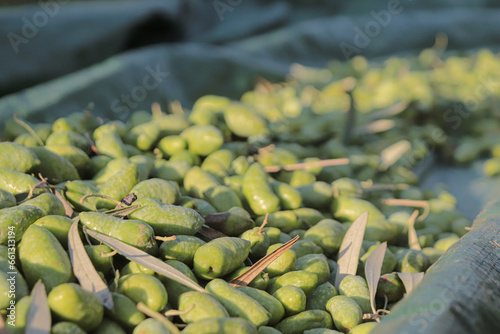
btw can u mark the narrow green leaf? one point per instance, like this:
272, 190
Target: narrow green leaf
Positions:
412, 234
147, 260
84, 269
411, 280
122, 212
349, 250
373, 268
38, 319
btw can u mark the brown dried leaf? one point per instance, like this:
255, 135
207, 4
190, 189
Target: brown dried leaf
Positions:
349, 250
245, 278
410, 280
84, 269
38, 319
147, 260
208, 233
377, 126
373, 268
127, 200
393, 153
412, 234
67, 207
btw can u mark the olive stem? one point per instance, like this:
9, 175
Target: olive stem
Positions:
157, 316
110, 254
370, 186
29, 129
409, 202
266, 149
176, 108
166, 238
264, 223
99, 195
302, 165
156, 111
173, 313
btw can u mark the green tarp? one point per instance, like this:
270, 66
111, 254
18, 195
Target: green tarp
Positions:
57, 56
460, 293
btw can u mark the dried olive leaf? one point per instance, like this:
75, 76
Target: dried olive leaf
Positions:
122, 212
412, 234
67, 207
410, 280
147, 260
84, 269
38, 319
127, 201
377, 126
373, 268
393, 153
349, 250
208, 233
245, 278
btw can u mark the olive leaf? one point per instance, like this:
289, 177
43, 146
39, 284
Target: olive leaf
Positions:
412, 234
147, 260
67, 207
84, 269
393, 153
159, 317
410, 280
245, 278
349, 250
208, 233
123, 211
393, 110
38, 319
377, 126
373, 267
